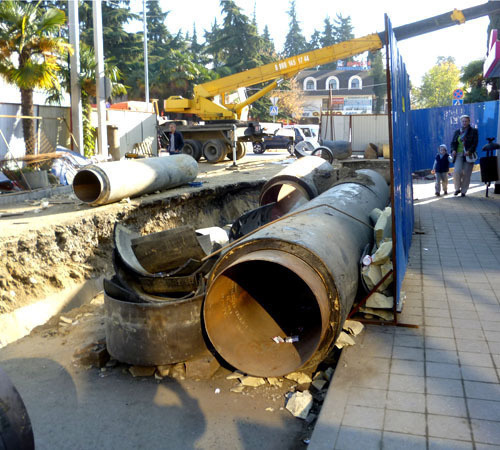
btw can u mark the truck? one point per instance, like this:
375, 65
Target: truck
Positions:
225, 129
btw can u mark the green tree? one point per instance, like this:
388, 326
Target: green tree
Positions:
155, 20
379, 80
438, 84
329, 38
30, 50
478, 88
343, 31
295, 42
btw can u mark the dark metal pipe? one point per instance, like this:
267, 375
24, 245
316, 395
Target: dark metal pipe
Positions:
99, 184
296, 278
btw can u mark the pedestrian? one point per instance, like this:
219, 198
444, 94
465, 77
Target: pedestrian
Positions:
175, 140
463, 146
441, 168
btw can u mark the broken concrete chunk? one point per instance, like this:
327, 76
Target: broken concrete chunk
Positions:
142, 371
329, 373
383, 253
371, 274
275, 381
353, 327
319, 384
164, 371
344, 340
202, 368
178, 371
371, 152
378, 300
252, 381
94, 354
383, 227
238, 389
65, 319
235, 375
299, 404
299, 377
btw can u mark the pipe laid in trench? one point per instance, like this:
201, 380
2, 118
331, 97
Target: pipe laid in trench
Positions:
109, 182
296, 277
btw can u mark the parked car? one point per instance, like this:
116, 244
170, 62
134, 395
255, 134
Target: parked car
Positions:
283, 138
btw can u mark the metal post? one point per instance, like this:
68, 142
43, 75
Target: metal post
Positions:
146, 74
76, 101
102, 138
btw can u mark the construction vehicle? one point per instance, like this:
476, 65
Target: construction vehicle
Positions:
225, 125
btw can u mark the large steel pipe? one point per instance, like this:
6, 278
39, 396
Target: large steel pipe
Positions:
297, 183
296, 278
99, 184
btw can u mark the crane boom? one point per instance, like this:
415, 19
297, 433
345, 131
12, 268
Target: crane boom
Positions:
203, 106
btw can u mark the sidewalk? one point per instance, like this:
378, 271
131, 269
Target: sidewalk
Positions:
437, 386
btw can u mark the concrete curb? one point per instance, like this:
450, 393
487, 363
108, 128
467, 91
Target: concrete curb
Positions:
17, 197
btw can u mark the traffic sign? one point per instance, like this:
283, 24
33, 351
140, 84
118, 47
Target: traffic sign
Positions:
458, 94
457, 101
273, 110
274, 100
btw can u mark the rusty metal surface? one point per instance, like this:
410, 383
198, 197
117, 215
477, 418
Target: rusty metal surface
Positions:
151, 334
249, 286
15, 425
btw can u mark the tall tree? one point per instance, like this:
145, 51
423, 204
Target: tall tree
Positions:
478, 88
438, 84
155, 19
329, 37
30, 50
343, 31
295, 41
379, 80
315, 41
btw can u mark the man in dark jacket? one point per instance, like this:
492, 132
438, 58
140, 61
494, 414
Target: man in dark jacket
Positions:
463, 146
175, 140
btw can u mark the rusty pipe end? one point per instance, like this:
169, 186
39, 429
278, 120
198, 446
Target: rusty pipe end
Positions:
263, 295
90, 185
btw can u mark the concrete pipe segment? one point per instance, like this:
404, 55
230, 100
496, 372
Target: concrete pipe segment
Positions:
99, 184
297, 183
276, 301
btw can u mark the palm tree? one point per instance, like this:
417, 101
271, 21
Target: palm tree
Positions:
29, 53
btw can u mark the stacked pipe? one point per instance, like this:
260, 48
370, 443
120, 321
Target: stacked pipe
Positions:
153, 302
277, 299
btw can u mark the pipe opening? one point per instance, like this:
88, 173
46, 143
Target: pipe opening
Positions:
287, 196
87, 186
252, 302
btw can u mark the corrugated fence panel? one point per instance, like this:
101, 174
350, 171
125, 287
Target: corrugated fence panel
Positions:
12, 130
435, 126
401, 162
335, 128
369, 129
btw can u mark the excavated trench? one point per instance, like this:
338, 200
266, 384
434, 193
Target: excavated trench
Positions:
57, 258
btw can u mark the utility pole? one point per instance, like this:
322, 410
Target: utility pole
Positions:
102, 136
146, 74
76, 101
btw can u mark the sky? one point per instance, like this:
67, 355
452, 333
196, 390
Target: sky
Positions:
465, 42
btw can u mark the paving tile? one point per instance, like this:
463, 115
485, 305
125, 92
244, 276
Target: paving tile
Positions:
358, 437
464, 324
487, 447
463, 313
492, 317
472, 333
472, 345
438, 343
442, 356
485, 431
484, 391
444, 386
400, 441
441, 370
437, 312
446, 406
370, 380
407, 383
375, 398
449, 444
405, 367
438, 321
406, 401
492, 336
486, 325
475, 373
363, 417
439, 332
404, 422
484, 409
448, 427
475, 359
494, 347
413, 354
378, 350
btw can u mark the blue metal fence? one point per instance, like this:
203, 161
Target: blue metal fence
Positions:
435, 126
402, 198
